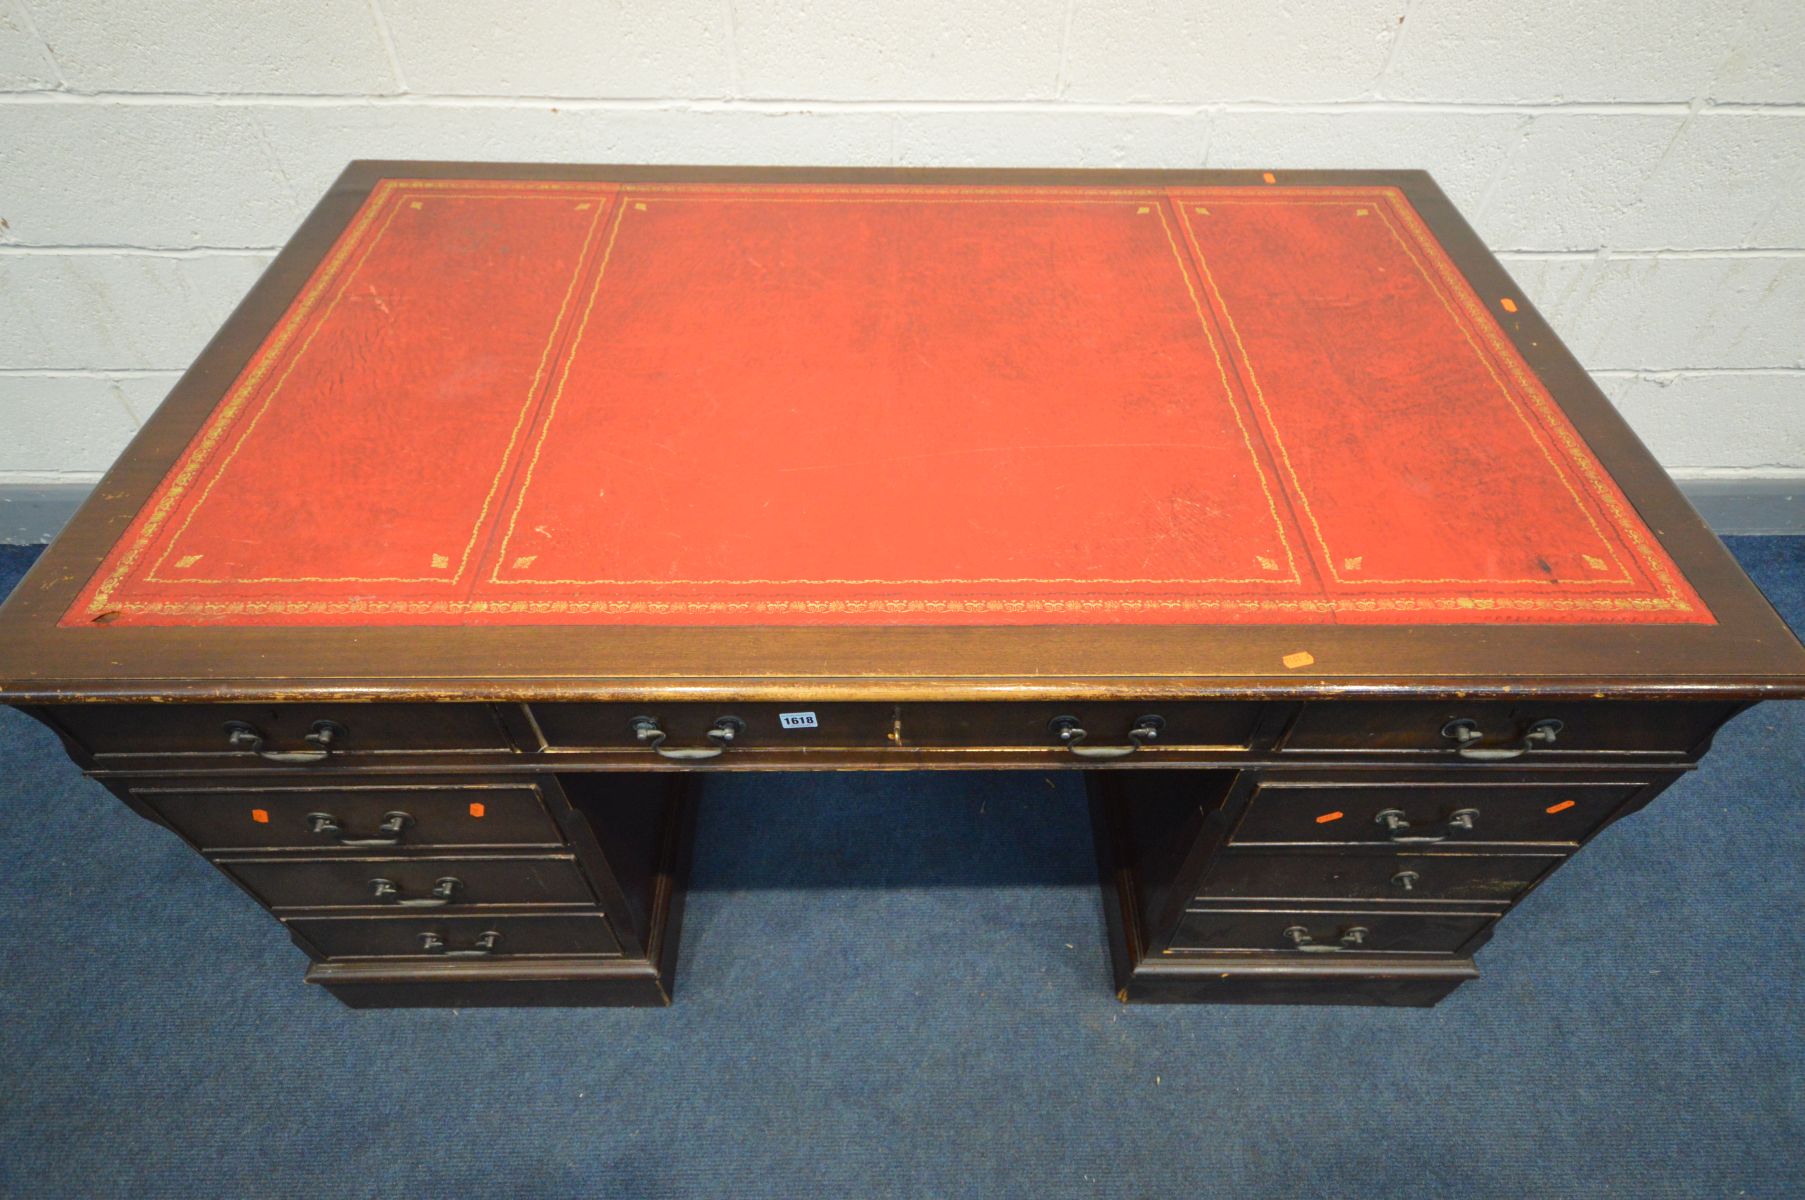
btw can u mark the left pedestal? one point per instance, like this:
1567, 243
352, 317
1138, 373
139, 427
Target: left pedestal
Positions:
632, 836
450, 889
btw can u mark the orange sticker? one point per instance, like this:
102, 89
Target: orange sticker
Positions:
1509, 304
260, 815
1327, 817
477, 809
1302, 658
1268, 177
1563, 806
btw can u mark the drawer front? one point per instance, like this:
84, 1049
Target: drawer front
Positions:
686, 727
1107, 725
1390, 814
280, 734
1482, 878
1325, 933
247, 818
410, 883
1421, 726
803, 726
459, 938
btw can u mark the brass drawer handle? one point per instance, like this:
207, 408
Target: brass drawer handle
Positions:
1070, 734
241, 735
444, 892
483, 947
394, 824
722, 734
1393, 819
1352, 938
1465, 732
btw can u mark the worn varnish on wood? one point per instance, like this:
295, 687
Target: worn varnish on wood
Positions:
513, 497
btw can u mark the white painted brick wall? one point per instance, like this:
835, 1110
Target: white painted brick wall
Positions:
1540, 52
326, 46
1183, 52
641, 48
1639, 164
76, 422
116, 310
24, 61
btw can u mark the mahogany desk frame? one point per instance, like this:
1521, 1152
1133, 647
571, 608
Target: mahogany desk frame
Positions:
1202, 904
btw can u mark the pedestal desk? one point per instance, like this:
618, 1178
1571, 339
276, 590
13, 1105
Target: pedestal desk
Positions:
514, 499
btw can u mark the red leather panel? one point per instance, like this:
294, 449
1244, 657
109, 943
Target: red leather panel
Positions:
1426, 462
507, 402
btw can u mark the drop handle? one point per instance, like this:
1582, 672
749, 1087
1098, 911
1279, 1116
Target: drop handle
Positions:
444, 892
1406, 880
394, 824
1465, 734
722, 733
243, 736
1070, 734
1394, 821
1352, 938
482, 947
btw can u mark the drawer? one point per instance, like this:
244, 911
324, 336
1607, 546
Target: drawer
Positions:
460, 938
1107, 724
1433, 813
686, 727
802, 726
410, 883
1428, 726
275, 818
281, 734
1481, 878
1326, 933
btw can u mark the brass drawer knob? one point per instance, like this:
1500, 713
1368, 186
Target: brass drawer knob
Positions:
394, 824
1070, 734
1466, 735
247, 738
482, 947
647, 730
444, 892
1461, 821
1352, 938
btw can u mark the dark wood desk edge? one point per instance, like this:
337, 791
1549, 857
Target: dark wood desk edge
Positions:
502, 689
1750, 654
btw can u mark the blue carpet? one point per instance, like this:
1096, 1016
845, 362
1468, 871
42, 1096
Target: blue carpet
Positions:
897, 986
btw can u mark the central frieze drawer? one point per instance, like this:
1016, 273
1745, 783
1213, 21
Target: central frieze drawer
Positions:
458, 939
1307, 933
1411, 815
339, 816
410, 883
1100, 729
1482, 878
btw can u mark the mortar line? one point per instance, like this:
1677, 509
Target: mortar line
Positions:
818, 104
386, 36
31, 28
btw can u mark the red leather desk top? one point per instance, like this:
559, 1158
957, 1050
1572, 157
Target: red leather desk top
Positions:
506, 402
